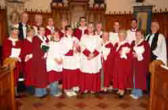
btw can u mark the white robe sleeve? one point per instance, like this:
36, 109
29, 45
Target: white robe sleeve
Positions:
161, 51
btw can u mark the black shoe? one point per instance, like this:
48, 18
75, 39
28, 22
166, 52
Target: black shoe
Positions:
120, 96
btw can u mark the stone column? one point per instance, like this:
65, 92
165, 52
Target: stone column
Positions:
14, 9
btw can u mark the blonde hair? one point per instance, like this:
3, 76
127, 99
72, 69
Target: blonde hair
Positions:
30, 28
123, 32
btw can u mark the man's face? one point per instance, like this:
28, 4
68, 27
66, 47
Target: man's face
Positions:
83, 22
134, 24
25, 18
154, 27
116, 26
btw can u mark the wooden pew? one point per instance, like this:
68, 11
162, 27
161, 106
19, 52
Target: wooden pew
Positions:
159, 87
7, 90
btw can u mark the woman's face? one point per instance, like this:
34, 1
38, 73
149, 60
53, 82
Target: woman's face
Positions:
90, 28
64, 23
122, 36
139, 36
69, 31
105, 36
99, 27
30, 33
42, 31
50, 22
15, 33
56, 36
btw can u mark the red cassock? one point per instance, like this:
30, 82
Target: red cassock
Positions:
78, 33
108, 64
40, 75
47, 32
7, 49
122, 74
27, 49
140, 68
71, 71
61, 33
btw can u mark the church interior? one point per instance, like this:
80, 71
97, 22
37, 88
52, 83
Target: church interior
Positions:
105, 12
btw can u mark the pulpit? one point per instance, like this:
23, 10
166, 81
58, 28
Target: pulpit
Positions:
7, 90
159, 86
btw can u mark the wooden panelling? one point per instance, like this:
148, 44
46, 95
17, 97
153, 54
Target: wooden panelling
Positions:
163, 21
124, 20
159, 87
45, 15
3, 25
7, 90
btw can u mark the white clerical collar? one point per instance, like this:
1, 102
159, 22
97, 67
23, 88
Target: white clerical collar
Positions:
82, 28
100, 33
133, 30
13, 40
23, 24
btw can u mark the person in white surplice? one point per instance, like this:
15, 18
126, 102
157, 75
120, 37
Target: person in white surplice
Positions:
132, 31
113, 36
90, 61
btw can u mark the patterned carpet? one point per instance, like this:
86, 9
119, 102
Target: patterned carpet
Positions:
82, 102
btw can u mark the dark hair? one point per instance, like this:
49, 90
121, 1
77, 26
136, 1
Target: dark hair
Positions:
134, 19
82, 18
40, 27
141, 31
117, 21
67, 27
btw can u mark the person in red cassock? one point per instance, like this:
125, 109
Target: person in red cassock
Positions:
71, 62
27, 55
40, 75
90, 61
12, 49
122, 74
107, 51
82, 29
141, 59
38, 22
64, 23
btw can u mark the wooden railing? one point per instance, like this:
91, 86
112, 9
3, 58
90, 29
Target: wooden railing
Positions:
7, 89
159, 87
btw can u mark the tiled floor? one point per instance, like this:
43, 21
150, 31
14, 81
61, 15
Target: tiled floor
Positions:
84, 102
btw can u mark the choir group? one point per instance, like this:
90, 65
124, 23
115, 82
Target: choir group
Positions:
83, 59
